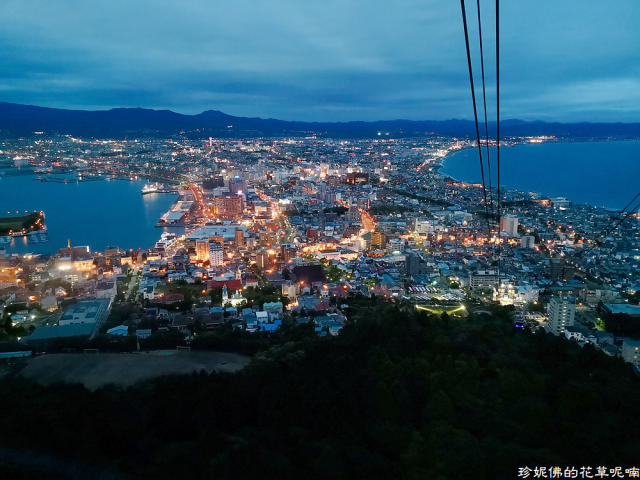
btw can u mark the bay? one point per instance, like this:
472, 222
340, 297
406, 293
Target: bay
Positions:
98, 213
604, 174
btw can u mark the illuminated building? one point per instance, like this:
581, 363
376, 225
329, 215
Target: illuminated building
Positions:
483, 279
509, 225
262, 259
288, 252
202, 250
378, 240
216, 257
231, 206
562, 312
356, 178
505, 294
424, 227
237, 299
290, 290
268, 238
239, 237
9, 277
312, 234
217, 238
227, 232
237, 186
225, 294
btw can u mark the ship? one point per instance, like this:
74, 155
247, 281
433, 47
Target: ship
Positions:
167, 240
152, 188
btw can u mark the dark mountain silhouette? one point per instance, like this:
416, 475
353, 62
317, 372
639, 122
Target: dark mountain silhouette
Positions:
16, 119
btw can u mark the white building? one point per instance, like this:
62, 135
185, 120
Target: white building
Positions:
424, 227
572, 333
483, 279
216, 254
528, 241
526, 294
226, 230
509, 225
86, 311
562, 312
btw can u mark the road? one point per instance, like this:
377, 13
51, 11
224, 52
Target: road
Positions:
133, 286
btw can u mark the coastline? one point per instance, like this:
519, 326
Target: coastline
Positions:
440, 164
93, 213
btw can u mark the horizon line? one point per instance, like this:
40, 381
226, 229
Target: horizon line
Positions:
157, 109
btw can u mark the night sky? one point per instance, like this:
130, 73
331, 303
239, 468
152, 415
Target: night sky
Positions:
565, 60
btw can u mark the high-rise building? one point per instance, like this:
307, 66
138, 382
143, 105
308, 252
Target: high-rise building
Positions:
237, 186
353, 214
528, 241
216, 256
202, 250
217, 238
312, 234
239, 237
562, 312
262, 259
288, 252
509, 225
377, 240
363, 203
231, 206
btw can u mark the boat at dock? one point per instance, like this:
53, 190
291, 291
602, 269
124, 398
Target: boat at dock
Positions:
157, 188
152, 188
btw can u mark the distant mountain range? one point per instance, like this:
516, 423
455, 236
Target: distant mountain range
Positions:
18, 120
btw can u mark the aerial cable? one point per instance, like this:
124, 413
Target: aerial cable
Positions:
622, 219
484, 102
605, 230
620, 222
613, 224
475, 112
498, 127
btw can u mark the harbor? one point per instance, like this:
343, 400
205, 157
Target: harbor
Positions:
157, 188
94, 213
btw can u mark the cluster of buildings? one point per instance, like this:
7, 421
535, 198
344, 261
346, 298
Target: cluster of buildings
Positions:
317, 219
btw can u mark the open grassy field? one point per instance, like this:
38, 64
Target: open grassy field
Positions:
125, 369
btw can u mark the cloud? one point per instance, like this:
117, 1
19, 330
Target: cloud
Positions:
329, 60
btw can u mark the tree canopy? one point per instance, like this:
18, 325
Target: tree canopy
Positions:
398, 394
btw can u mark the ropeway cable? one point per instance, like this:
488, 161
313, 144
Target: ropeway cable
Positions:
475, 112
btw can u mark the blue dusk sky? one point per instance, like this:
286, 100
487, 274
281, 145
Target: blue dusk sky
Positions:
329, 60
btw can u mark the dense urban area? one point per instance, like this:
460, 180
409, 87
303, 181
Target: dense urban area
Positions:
267, 230
274, 249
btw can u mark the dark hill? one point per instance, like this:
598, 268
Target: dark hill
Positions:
16, 119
